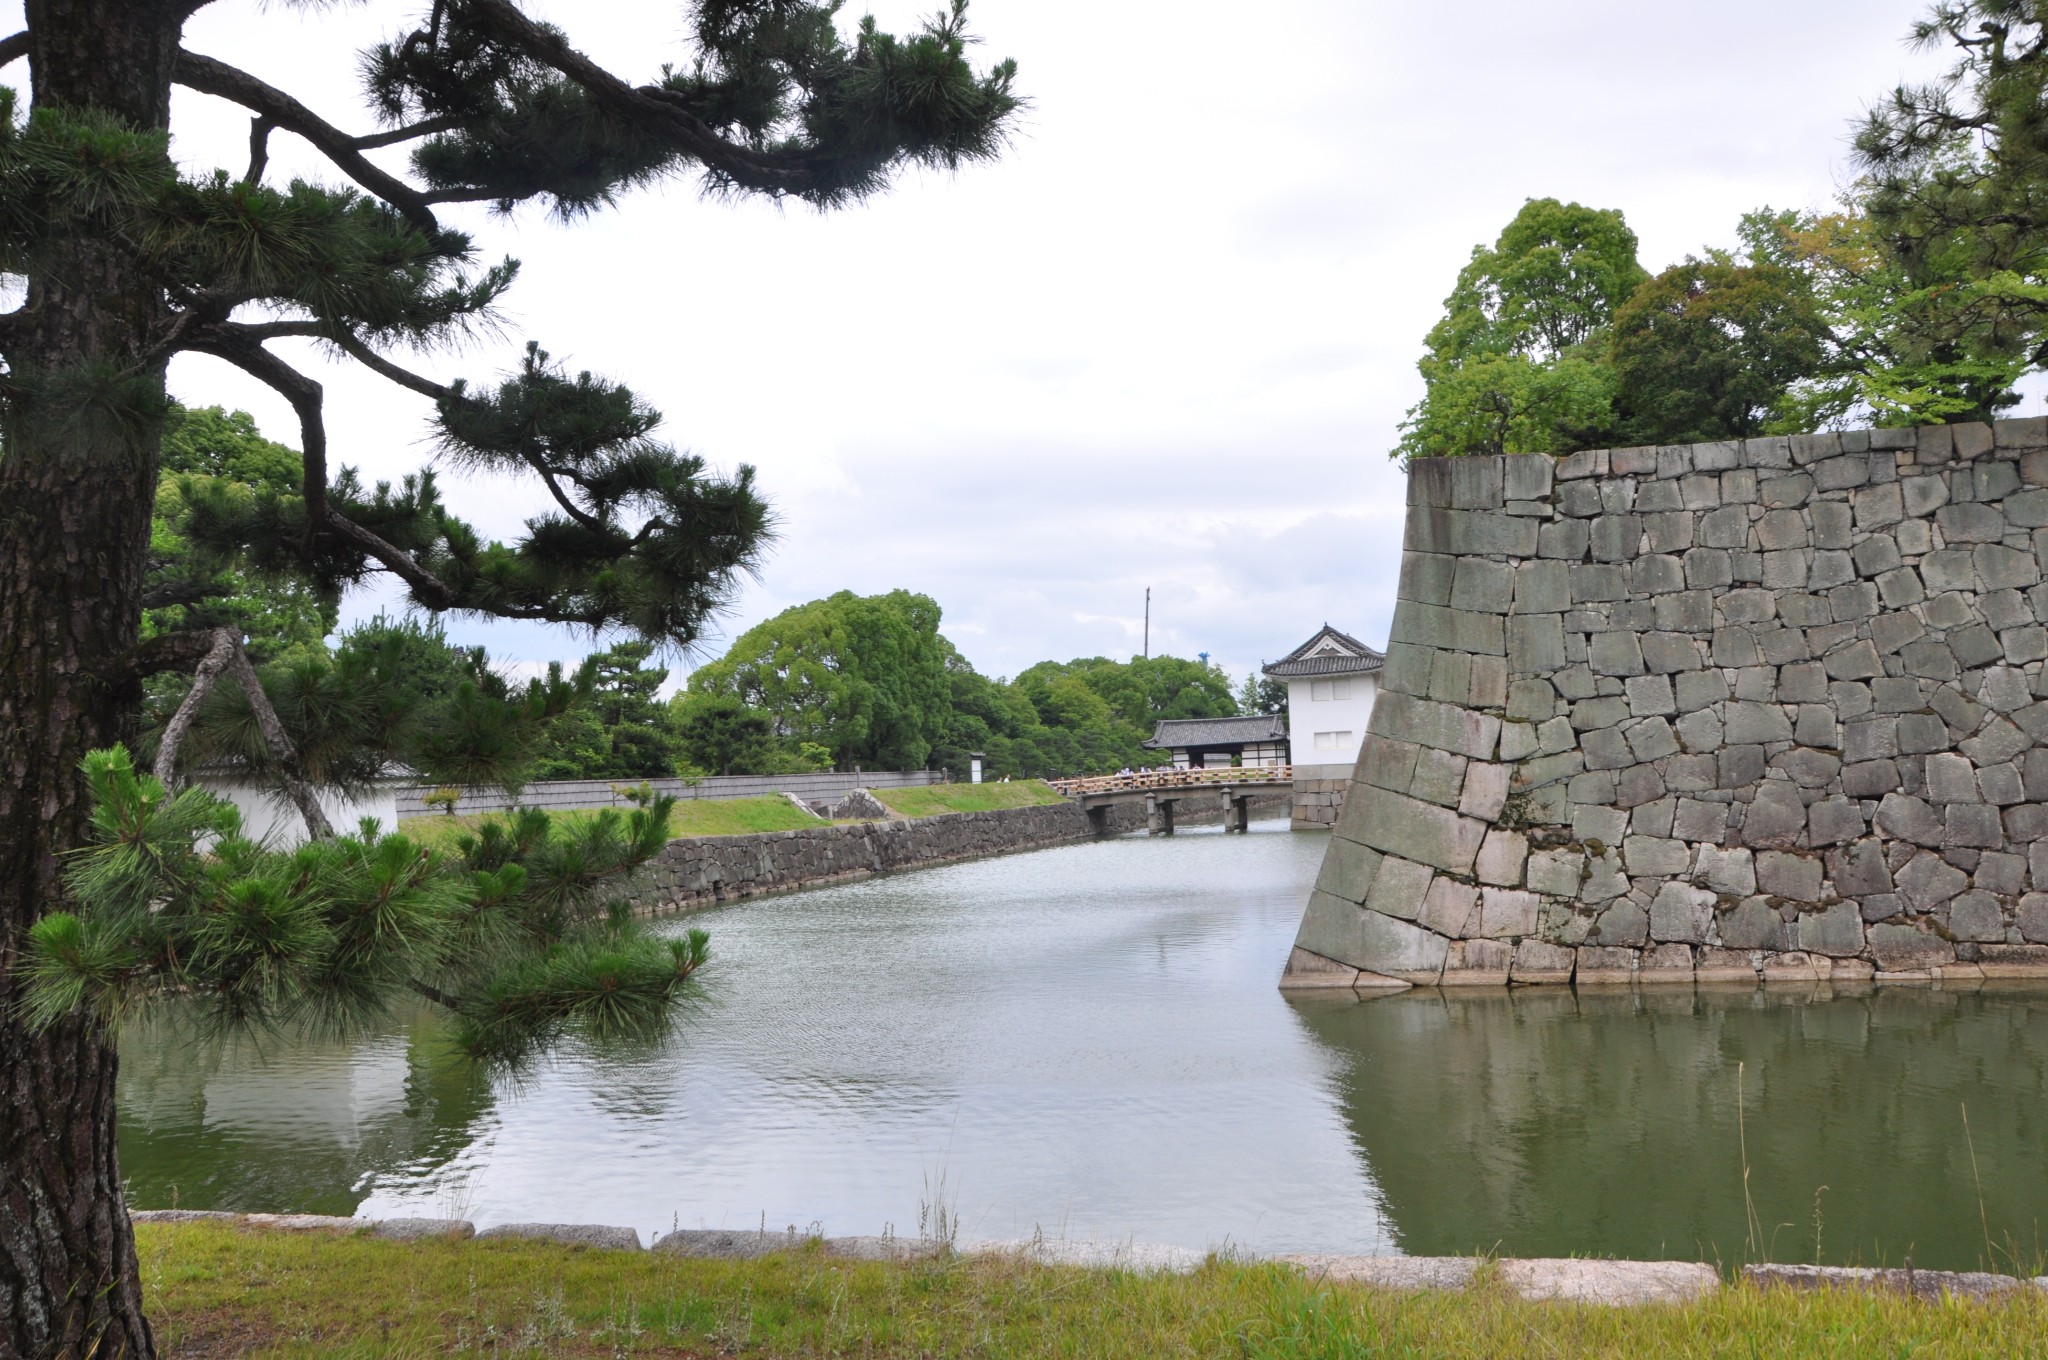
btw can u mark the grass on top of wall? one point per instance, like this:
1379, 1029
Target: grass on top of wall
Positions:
692, 817
934, 799
213, 1290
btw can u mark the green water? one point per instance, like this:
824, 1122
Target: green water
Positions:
1089, 1041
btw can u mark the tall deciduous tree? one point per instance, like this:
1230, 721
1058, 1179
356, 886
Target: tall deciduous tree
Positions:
1711, 348
124, 262
862, 675
1514, 366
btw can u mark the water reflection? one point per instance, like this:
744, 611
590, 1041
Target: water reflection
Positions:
1549, 1123
289, 1123
1089, 1040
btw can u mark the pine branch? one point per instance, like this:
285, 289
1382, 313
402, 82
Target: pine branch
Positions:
217, 78
13, 47
652, 108
305, 395
209, 670
259, 148
171, 652
382, 366
426, 127
275, 738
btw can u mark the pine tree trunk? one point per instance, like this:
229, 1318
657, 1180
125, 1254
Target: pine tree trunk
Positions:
77, 480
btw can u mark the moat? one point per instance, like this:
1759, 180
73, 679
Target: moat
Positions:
1089, 1041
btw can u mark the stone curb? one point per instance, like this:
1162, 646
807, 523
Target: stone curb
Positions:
568, 1234
1931, 1286
1613, 1284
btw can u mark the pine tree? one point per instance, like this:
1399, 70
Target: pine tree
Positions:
127, 262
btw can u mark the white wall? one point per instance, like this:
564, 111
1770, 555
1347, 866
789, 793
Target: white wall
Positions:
275, 821
1308, 715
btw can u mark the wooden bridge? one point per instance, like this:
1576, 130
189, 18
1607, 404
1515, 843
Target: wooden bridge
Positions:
1160, 791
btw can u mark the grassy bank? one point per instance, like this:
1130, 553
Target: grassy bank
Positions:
218, 1291
692, 817
934, 799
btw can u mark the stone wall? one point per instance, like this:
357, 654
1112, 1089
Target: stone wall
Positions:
1767, 708
1319, 794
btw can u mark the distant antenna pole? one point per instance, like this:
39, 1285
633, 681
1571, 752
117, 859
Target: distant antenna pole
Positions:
1148, 623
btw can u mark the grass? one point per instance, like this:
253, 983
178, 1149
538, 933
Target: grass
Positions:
692, 817
215, 1290
771, 812
933, 799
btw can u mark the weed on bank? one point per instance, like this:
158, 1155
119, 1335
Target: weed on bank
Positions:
217, 1291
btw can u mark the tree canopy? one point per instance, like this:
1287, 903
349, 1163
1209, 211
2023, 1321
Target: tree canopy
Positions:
871, 681
862, 676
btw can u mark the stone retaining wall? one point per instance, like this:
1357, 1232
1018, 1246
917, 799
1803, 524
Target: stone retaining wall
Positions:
1319, 794
1767, 708
703, 871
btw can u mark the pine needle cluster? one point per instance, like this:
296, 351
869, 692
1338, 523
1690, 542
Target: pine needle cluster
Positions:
522, 935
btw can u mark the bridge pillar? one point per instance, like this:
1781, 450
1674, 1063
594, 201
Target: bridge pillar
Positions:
1237, 813
1159, 814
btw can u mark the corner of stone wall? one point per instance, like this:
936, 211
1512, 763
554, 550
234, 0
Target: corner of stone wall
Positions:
1765, 708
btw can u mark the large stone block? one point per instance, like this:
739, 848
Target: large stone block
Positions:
1505, 913
1501, 858
1538, 963
1681, 913
1754, 924
1450, 909
1836, 932
1470, 532
1906, 948
1399, 887
1377, 944
1729, 871
1348, 869
1416, 830
1446, 727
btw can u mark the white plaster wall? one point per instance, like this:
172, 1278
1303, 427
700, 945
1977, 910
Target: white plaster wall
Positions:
1307, 716
274, 821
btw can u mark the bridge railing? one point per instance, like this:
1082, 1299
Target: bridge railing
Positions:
1173, 779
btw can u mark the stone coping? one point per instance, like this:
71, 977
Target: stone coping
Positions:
1310, 974
1581, 1280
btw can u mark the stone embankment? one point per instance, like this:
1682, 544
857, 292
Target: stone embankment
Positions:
1573, 1280
1319, 794
1761, 709
703, 871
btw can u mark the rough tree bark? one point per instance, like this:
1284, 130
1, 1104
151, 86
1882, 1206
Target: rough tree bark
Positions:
76, 485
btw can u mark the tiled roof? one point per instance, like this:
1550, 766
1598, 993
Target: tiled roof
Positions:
1171, 732
1334, 653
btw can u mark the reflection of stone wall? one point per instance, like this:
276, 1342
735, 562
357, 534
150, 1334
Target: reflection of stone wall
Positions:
1547, 1122
1767, 706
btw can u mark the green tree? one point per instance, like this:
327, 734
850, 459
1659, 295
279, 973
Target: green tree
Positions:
127, 261
1262, 694
623, 732
391, 691
719, 733
1514, 365
1956, 189
1712, 349
863, 676
215, 464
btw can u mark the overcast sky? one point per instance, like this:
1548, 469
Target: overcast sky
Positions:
1166, 341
